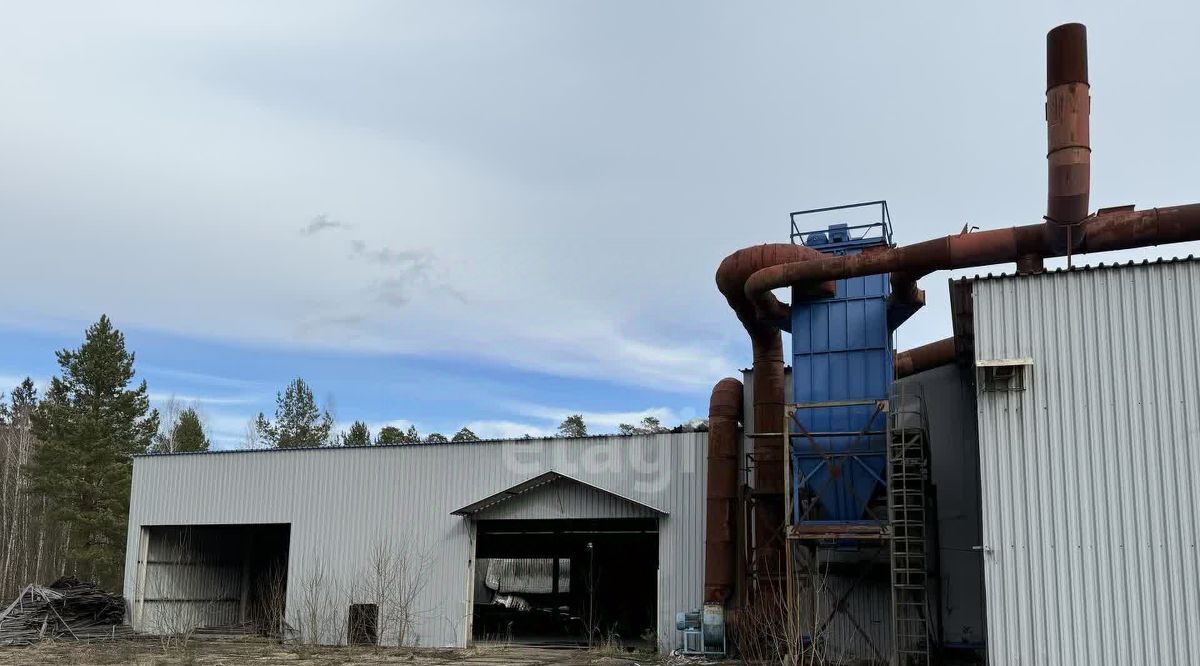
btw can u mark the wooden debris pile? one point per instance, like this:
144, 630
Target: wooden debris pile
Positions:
67, 609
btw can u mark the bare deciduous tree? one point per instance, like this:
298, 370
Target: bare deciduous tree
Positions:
32, 545
317, 622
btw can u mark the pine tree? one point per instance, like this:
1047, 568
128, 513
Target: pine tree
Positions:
298, 420
390, 435
358, 435
572, 426
188, 433
464, 435
90, 424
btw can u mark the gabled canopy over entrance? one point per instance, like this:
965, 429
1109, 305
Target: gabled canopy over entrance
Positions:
553, 495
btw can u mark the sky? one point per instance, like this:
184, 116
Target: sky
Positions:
495, 214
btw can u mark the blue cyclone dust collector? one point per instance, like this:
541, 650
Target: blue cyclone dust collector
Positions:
842, 358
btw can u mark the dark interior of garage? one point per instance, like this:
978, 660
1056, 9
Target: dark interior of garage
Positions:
218, 575
569, 582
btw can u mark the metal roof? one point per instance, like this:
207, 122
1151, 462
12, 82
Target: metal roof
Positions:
1081, 269
537, 482
376, 447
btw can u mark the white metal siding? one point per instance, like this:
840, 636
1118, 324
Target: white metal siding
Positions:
565, 499
1090, 500
340, 502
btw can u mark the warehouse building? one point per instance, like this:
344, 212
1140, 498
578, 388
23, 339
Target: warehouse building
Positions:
433, 545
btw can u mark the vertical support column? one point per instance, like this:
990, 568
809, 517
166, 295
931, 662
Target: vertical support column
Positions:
139, 586
469, 617
244, 599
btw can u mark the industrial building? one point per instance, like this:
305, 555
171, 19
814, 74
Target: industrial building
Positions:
1018, 493
214, 535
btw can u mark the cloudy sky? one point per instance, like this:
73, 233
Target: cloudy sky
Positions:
496, 213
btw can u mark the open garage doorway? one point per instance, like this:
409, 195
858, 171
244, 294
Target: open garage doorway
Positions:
566, 582
228, 576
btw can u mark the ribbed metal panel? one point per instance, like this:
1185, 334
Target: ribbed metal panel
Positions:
181, 591
1090, 505
860, 631
565, 499
341, 502
526, 576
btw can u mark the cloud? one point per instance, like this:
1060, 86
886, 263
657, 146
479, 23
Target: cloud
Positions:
321, 223
186, 399
197, 377
583, 209
406, 272
226, 430
389, 257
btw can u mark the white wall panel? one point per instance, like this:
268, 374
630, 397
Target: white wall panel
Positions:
1090, 499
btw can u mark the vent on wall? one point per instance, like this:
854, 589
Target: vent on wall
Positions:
1003, 375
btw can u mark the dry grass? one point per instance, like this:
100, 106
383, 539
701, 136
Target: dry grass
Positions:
261, 652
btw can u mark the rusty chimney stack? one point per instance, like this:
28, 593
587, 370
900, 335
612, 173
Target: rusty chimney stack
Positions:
1069, 151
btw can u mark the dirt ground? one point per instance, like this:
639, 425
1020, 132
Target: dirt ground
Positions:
208, 652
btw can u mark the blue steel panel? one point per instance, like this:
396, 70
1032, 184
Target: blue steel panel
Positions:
841, 351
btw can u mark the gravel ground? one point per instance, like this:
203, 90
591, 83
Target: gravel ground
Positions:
209, 652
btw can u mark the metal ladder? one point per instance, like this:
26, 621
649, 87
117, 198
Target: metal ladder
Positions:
908, 481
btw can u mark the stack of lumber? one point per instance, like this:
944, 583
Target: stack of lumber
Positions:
66, 609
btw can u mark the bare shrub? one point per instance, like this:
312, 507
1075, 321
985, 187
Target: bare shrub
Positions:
317, 620
774, 626
272, 595
393, 578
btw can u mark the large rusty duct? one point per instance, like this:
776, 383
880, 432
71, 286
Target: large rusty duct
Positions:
1066, 229
725, 411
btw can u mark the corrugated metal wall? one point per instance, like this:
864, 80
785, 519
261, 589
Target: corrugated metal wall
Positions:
564, 499
182, 591
342, 502
1091, 508
860, 631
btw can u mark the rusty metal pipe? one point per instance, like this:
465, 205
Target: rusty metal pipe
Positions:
720, 543
925, 357
1110, 229
769, 396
